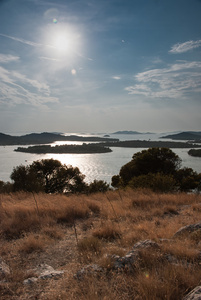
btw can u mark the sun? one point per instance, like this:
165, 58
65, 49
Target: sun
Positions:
63, 40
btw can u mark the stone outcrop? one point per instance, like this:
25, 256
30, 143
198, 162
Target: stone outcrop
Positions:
123, 263
4, 269
43, 271
195, 294
187, 229
88, 269
127, 261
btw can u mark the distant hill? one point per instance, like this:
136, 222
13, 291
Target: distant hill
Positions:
47, 138
186, 135
131, 132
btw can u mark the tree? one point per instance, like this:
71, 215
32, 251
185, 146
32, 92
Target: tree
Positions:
48, 175
187, 179
157, 182
159, 170
153, 160
98, 186
5, 187
25, 179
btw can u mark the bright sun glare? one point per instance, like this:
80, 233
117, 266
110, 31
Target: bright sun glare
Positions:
61, 42
63, 39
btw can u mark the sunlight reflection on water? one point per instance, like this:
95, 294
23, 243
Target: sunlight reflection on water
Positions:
94, 166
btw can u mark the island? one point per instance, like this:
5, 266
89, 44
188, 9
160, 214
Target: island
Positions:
195, 152
131, 132
149, 144
186, 135
47, 138
66, 149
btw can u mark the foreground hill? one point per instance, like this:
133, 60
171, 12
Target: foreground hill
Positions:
46, 138
117, 245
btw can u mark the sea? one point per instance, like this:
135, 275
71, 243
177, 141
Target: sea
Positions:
94, 166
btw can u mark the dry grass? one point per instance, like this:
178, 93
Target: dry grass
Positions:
70, 232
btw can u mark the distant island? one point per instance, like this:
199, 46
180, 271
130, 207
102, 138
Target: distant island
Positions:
61, 149
47, 138
149, 144
186, 135
131, 132
195, 152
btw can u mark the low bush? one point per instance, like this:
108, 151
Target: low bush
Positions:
108, 232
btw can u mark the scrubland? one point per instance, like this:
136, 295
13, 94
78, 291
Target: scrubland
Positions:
70, 232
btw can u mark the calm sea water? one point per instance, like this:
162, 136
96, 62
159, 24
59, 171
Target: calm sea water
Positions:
93, 166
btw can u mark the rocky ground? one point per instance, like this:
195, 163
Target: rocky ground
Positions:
133, 245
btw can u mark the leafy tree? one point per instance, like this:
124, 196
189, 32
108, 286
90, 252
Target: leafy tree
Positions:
158, 169
153, 160
25, 179
98, 186
5, 187
187, 179
48, 175
158, 182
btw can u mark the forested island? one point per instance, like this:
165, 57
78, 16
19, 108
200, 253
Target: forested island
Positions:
195, 152
76, 149
149, 144
186, 135
131, 132
102, 147
47, 138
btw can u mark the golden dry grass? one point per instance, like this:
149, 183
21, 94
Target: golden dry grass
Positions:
68, 232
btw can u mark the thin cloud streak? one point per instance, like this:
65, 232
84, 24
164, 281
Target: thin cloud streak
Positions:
27, 42
6, 58
184, 47
22, 40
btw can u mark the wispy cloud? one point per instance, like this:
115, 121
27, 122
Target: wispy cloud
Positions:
116, 77
175, 81
23, 41
49, 58
6, 58
16, 88
184, 47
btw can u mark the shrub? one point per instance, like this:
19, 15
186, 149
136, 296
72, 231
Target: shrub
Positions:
92, 244
108, 232
156, 182
98, 186
31, 244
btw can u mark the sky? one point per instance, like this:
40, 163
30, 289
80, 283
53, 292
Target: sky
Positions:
97, 66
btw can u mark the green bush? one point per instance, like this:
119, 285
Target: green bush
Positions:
159, 170
98, 186
157, 182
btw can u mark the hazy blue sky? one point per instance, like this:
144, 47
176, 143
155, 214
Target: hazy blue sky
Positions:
100, 65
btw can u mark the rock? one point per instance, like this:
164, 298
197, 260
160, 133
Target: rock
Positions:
125, 262
146, 244
30, 280
195, 294
43, 271
4, 269
89, 269
187, 229
128, 261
